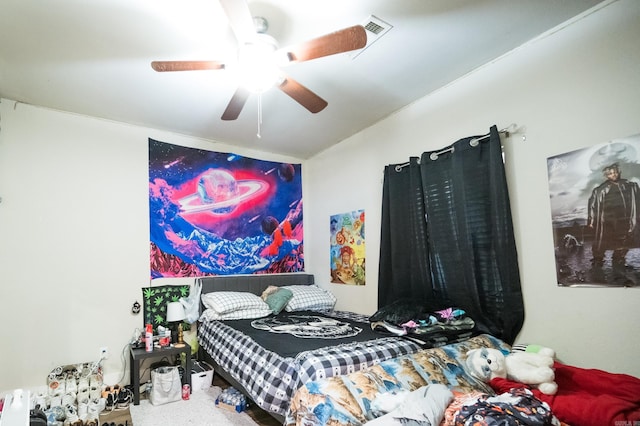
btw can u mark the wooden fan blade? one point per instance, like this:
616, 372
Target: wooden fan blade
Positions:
240, 19
302, 95
340, 41
163, 66
236, 104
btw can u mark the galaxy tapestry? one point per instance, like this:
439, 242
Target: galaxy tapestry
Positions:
347, 248
595, 208
214, 213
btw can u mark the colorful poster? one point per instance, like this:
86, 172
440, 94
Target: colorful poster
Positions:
214, 213
595, 209
347, 248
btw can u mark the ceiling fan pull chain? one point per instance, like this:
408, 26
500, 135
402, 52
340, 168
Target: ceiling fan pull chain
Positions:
259, 114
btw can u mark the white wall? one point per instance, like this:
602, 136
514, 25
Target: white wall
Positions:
573, 88
74, 238
74, 213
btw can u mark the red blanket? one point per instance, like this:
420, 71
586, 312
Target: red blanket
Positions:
588, 397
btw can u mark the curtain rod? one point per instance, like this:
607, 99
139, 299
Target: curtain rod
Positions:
473, 142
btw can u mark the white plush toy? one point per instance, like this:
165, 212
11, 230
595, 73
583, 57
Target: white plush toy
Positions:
530, 368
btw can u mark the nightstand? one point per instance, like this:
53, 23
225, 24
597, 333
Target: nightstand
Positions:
136, 355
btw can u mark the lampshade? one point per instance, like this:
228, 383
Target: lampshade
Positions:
175, 312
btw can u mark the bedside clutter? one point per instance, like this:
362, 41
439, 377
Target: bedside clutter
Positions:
137, 355
15, 408
74, 395
232, 399
201, 376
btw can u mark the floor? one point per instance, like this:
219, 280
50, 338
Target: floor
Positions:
123, 418
256, 413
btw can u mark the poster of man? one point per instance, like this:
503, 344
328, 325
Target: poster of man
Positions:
595, 208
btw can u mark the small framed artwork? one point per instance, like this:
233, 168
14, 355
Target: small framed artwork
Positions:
347, 248
595, 209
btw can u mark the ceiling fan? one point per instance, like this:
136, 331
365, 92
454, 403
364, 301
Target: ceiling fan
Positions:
259, 52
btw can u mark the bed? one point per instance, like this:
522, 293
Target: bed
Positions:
347, 381
363, 396
267, 370
434, 381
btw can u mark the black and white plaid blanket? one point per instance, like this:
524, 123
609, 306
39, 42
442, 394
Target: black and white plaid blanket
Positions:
270, 379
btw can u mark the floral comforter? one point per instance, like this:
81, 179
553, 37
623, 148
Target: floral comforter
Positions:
350, 400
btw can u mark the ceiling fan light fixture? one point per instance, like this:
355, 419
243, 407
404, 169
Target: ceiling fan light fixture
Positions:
258, 61
257, 68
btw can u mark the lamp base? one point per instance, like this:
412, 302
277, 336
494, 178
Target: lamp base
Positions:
180, 343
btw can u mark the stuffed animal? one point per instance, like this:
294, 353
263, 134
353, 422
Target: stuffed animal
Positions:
530, 368
538, 349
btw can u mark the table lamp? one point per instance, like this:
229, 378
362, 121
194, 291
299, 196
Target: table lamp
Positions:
175, 313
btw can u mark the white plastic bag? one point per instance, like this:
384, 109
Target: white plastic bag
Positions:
191, 303
166, 385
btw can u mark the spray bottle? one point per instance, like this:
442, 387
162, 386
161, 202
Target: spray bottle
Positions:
148, 338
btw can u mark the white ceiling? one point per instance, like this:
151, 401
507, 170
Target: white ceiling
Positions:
93, 57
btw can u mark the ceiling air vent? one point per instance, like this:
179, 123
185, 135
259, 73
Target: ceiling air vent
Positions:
375, 28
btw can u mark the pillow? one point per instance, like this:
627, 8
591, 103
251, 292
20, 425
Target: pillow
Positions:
211, 315
228, 301
268, 291
309, 298
278, 299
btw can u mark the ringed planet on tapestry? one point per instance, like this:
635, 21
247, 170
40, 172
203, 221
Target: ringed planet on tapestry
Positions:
220, 193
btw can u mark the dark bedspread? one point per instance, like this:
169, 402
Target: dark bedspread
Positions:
270, 378
294, 332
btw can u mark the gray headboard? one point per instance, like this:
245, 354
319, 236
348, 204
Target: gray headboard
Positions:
255, 284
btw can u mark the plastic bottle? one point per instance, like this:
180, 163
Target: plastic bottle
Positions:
148, 338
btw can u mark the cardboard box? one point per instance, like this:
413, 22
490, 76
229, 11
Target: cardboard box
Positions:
201, 376
238, 408
231, 399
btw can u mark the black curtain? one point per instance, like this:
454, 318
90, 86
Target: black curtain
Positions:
447, 235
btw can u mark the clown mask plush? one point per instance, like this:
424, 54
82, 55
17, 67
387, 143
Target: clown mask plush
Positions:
485, 364
525, 367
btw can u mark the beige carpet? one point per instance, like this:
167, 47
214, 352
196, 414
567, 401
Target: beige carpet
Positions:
199, 409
